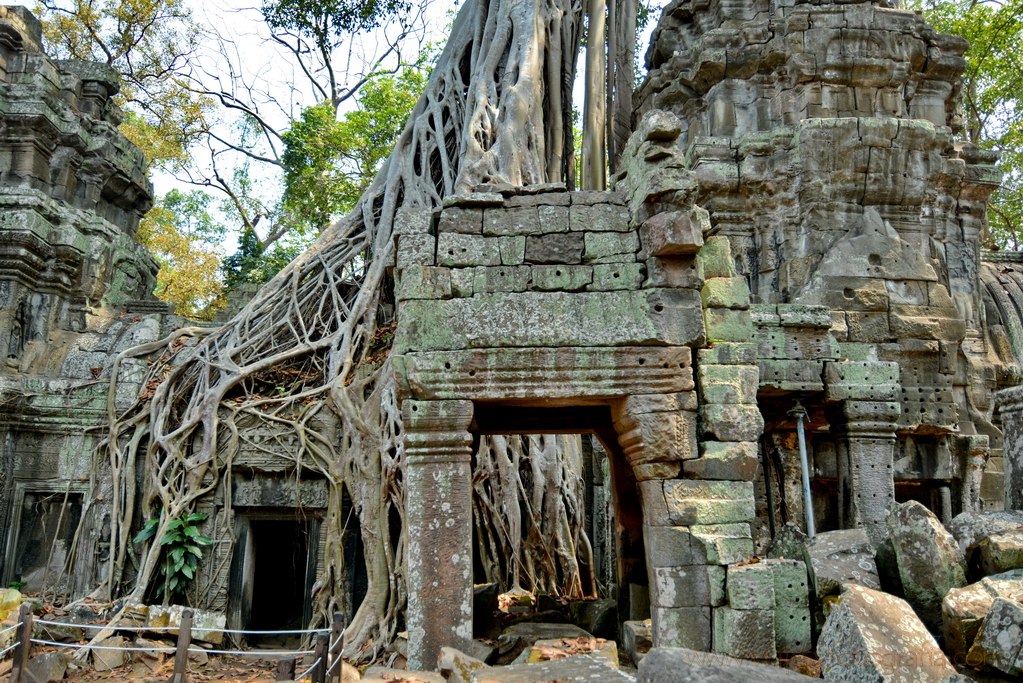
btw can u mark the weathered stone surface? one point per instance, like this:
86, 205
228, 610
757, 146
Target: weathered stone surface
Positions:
680, 502
793, 628
725, 292
999, 644
534, 319
672, 233
105, 660
457, 666
637, 639
574, 669
1000, 552
837, 558
970, 527
731, 422
751, 586
735, 384
47, 667
599, 617
963, 610
732, 461
375, 674
680, 665
929, 561
687, 586
518, 637
558, 648
873, 636
563, 248
688, 627
788, 543
745, 633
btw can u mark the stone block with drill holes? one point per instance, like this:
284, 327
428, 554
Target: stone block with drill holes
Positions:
792, 619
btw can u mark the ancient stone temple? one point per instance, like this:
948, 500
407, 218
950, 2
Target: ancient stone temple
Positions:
778, 321
790, 263
75, 290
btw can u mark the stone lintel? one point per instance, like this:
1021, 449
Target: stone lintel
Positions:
564, 375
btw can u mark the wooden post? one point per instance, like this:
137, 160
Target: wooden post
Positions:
24, 647
184, 640
285, 669
320, 657
337, 629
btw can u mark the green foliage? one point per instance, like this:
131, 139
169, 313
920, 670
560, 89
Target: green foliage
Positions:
181, 551
149, 43
992, 97
185, 239
327, 20
329, 162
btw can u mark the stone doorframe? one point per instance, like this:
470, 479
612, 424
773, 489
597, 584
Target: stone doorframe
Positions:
650, 391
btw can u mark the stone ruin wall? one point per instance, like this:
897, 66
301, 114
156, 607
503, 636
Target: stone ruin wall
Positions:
794, 223
75, 289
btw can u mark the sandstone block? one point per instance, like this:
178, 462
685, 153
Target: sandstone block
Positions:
415, 250
679, 665
687, 586
715, 258
672, 272
999, 645
637, 639
724, 324
683, 626
792, 629
561, 278
963, 610
481, 199
873, 636
687, 503
929, 561
467, 221
750, 586
487, 279
512, 249
1001, 552
455, 250
413, 221
728, 353
611, 276
553, 218
725, 292
970, 527
731, 422
511, 221
730, 461
607, 246
791, 583
671, 233
745, 634
728, 383
721, 544
838, 558
599, 218
424, 282
563, 248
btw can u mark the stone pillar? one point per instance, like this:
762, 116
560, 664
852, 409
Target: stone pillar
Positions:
438, 505
972, 453
864, 425
1010, 405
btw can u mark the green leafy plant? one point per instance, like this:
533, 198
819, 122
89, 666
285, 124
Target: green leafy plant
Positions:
16, 584
182, 550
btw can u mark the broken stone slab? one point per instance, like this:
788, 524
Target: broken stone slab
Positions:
517, 637
207, 626
970, 527
47, 667
599, 617
841, 557
457, 666
963, 610
999, 645
873, 636
559, 648
745, 633
573, 669
750, 586
107, 659
1000, 552
679, 665
928, 559
788, 543
375, 674
637, 639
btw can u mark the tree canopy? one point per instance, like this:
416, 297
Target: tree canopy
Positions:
992, 98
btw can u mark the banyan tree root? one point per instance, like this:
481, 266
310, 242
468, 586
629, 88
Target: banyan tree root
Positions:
497, 109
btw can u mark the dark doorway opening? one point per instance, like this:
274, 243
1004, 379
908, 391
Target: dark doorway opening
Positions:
279, 574
356, 577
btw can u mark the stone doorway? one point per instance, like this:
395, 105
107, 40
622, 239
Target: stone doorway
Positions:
272, 573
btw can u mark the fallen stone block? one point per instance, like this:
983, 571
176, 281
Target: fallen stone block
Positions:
808, 666
457, 666
107, 659
970, 527
679, 665
207, 626
599, 617
573, 669
381, 673
517, 637
928, 559
47, 667
559, 648
750, 586
637, 639
999, 645
1000, 552
873, 636
836, 558
963, 610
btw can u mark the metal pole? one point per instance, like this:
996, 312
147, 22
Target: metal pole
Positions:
799, 413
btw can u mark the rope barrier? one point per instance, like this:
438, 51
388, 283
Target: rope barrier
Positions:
337, 662
308, 671
164, 629
253, 653
3, 652
11, 628
81, 646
